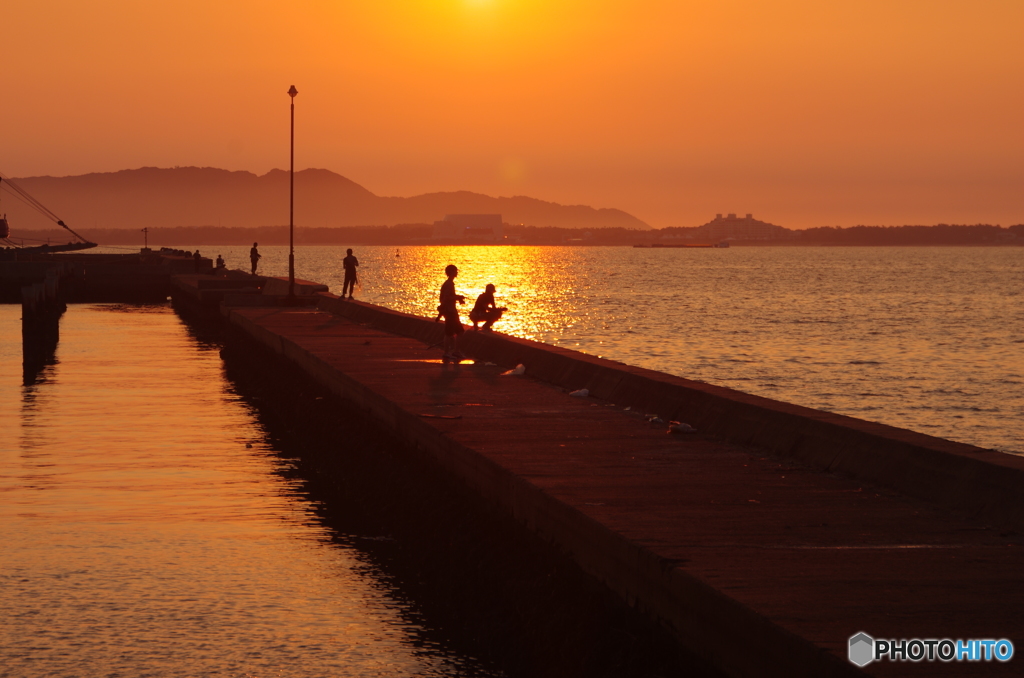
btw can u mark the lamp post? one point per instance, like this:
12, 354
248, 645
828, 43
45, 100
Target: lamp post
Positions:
291, 206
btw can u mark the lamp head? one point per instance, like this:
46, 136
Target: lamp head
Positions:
292, 92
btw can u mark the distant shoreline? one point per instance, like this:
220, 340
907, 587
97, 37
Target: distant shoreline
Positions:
411, 235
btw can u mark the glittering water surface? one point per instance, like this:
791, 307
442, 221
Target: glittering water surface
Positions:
925, 338
141, 535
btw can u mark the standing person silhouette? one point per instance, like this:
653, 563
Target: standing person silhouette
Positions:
452, 325
254, 257
350, 263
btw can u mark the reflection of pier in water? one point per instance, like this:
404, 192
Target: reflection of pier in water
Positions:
41, 310
44, 283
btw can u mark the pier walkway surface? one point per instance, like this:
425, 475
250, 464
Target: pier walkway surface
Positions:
763, 564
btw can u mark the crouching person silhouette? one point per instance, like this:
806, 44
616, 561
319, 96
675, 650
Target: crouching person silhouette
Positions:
484, 311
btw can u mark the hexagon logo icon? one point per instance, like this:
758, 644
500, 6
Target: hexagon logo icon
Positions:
862, 649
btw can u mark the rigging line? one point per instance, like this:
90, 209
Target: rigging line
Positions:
38, 205
17, 195
61, 223
26, 197
25, 194
46, 240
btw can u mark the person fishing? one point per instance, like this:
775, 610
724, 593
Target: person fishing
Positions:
447, 309
350, 263
254, 256
485, 311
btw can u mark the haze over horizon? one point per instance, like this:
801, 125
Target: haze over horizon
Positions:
208, 196
801, 113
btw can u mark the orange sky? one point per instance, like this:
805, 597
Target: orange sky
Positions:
802, 112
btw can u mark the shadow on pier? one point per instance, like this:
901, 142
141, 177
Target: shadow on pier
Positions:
479, 583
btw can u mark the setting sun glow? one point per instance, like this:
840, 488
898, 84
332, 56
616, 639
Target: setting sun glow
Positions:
804, 112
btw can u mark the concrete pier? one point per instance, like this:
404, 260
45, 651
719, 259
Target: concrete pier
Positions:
764, 541
135, 278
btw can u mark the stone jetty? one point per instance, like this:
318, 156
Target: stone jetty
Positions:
764, 539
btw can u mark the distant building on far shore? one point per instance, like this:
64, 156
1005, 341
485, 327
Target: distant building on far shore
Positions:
731, 227
469, 227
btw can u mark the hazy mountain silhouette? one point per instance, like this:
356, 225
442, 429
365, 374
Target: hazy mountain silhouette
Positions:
206, 196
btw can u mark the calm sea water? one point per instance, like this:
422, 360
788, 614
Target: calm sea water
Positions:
148, 527
925, 338
150, 524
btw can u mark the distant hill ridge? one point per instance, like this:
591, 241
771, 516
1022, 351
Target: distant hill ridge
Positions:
207, 196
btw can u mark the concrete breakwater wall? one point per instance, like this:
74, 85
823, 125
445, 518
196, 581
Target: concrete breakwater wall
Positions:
758, 566
136, 278
983, 483
708, 622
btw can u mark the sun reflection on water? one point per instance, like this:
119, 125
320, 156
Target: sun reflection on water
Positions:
924, 338
921, 338
537, 291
